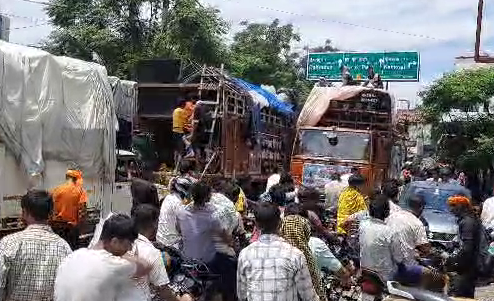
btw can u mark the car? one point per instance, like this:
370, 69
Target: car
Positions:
442, 225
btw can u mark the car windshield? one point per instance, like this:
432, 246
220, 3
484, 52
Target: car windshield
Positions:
338, 145
435, 197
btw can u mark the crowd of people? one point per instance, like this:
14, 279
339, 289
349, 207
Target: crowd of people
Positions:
283, 259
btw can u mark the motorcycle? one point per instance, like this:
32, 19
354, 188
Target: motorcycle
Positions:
336, 290
375, 289
188, 276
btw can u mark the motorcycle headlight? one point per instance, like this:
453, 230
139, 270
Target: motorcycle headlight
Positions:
179, 278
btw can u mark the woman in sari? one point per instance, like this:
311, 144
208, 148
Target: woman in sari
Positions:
296, 230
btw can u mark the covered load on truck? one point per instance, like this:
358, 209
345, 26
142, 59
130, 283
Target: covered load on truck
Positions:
56, 113
344, 128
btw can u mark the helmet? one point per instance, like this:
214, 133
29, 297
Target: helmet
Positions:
181, 186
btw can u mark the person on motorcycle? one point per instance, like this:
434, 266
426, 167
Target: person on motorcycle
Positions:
320, 250
380, 248
296, 230
144, 192
225, 262
281, 195
145, 219
167, 224
351, 200
309, 199
203, 232
271, 268
465, 260
410, 230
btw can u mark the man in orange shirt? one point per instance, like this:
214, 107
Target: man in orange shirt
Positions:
70, 203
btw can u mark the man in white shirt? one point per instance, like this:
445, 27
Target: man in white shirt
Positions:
100, 273
333, 189
410, 230
145, 219
380, 249
487, 215
168, 234
272, 180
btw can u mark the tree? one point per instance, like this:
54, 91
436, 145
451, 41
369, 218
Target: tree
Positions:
122, 32
261, 53
466, 138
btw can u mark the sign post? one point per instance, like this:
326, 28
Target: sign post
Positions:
391, 66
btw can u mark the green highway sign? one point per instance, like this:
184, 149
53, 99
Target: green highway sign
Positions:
392, 66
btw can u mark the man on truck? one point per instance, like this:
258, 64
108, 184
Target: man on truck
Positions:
70, 204
182, 126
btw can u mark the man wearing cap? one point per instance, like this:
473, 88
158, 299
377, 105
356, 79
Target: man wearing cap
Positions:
69, 203
465, 261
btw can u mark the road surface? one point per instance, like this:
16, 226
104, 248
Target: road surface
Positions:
485, 293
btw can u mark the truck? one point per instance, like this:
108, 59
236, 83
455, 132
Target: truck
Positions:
246, 131
56, 113
345, 128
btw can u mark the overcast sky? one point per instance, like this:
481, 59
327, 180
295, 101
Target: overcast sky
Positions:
439, 29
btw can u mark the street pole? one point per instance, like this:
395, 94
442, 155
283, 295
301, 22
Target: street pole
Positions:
479, 30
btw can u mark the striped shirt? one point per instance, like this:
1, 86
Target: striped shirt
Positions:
273, 270
29, 260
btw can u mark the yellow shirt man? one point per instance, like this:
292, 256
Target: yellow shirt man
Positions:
350, 201
179, 120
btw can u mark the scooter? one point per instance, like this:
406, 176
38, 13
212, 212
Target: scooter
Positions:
375, 289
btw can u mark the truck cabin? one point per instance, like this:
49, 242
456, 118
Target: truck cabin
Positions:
354, 131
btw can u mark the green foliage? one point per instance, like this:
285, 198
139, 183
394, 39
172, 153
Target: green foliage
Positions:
464, 90
261, 54
123, 32
466, 142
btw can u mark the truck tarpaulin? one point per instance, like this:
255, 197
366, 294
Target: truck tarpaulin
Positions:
56, 109
319, 99
125, 98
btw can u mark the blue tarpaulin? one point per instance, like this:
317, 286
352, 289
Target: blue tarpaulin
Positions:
269, 98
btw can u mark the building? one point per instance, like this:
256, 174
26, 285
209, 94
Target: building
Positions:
467, 61
4, 28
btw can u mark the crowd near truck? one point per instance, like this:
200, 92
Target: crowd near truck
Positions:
344, 128
56, 113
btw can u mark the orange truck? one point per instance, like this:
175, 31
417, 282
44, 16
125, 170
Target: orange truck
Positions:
341, 128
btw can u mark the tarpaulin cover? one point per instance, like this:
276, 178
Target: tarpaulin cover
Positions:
56, 108
263, 97
319, 99
125, 97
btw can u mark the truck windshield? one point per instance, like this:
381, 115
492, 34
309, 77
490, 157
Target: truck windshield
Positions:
338, 145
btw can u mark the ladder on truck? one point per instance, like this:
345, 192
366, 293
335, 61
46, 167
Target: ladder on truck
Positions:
209, 74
